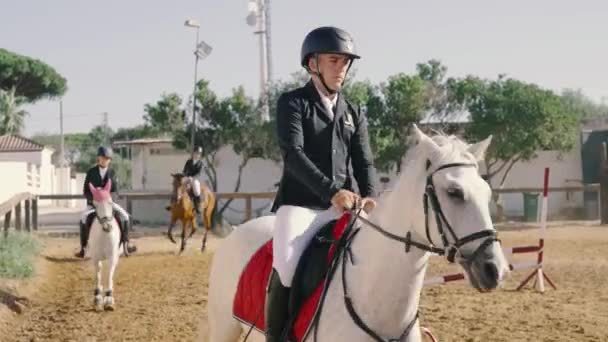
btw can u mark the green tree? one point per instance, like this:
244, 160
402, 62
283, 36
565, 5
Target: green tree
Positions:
436, 91
166, 115
523, 119
403, 102
30, 78
98, 136
209, 134
583, 106
11, 115
73, 143
235, 121
383, 135
137, 132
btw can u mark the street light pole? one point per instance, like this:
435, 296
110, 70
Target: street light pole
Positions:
194, 91
201, 51
268, 40
62, 155
258, 17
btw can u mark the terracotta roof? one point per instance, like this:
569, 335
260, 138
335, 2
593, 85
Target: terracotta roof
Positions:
17, 143
144, 141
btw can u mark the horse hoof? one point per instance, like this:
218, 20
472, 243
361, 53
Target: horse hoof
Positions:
108, 307
171, 238
98, 303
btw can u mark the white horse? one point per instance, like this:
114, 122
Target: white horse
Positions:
385, 278
104, 244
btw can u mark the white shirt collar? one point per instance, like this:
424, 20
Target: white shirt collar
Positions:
103, 171
328, 102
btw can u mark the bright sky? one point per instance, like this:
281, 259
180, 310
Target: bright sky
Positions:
118, 55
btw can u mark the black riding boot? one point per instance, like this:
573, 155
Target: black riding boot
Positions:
84, 238
126, 227
197, 203
277, 299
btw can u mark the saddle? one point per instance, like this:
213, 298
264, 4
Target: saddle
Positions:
309, 282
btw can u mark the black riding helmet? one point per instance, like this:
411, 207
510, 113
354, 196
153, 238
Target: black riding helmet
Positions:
103, 151
327, 39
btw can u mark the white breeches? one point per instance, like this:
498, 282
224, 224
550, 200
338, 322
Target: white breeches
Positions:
294, 228
123, 213
196, 186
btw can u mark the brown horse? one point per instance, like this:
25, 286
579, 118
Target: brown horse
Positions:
182, 209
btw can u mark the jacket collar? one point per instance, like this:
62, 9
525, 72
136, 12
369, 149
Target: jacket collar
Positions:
318, 103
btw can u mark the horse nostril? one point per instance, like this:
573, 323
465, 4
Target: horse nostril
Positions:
490, 270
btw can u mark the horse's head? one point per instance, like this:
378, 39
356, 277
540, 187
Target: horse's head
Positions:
453, 205
178, 179
180, 186
102, 201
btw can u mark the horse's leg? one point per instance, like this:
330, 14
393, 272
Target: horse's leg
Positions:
108, 302
98, 288
184, 227
204, 240
192, 226
170, 230
209, 212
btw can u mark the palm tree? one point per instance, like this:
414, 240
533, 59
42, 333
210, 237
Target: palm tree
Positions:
11, 116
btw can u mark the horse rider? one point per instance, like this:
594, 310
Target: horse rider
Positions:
98, 176
320, 133
192, 170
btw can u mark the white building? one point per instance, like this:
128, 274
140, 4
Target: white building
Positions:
26, 166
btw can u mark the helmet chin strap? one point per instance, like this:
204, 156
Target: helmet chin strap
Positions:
320, 75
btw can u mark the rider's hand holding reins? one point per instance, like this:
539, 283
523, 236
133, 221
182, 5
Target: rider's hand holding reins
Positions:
344, 200
368, 204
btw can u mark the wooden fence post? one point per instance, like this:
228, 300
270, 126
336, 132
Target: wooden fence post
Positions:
18, 217
603, 184
35, 213
248, 209
28, 225
7, 222
129, 206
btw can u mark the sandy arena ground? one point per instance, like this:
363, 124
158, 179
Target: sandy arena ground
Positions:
161, 296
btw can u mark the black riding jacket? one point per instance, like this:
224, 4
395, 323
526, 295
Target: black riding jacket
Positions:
318, 151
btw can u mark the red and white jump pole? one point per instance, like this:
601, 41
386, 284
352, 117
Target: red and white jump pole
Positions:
448, 278
539, 273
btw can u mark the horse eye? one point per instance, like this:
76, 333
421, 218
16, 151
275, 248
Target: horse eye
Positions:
455, 193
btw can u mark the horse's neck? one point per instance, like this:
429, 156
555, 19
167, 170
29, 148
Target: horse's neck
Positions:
385, 281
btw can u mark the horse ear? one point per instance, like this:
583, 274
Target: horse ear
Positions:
417, 134
419, 138
479, 149
108, 185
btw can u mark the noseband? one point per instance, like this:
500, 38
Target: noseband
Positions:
105, 221
449, 250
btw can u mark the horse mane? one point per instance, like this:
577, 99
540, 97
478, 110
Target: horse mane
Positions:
452, 148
